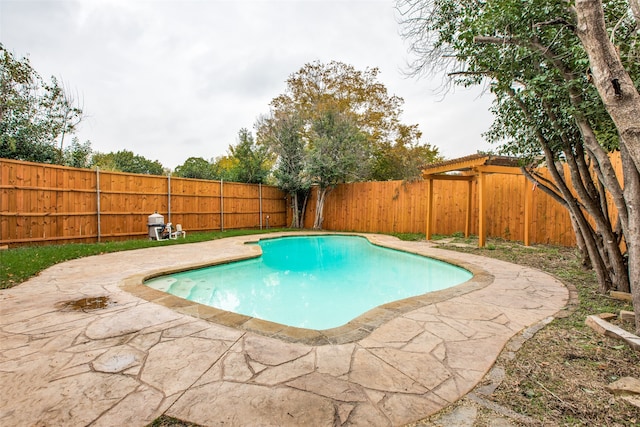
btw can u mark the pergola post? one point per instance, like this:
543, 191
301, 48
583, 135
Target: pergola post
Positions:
429, 219
467, 223
482, 218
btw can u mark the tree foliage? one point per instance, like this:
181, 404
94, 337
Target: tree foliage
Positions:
317, 88
282, 135
197, 168
127, 161
78, 155
337, 96
35, 116
250, 162
403, 159
547, 109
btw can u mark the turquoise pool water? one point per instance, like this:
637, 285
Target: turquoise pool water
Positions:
314, 282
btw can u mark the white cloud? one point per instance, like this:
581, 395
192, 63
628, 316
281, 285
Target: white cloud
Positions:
175, 79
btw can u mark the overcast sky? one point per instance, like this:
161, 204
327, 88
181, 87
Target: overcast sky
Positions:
176, 79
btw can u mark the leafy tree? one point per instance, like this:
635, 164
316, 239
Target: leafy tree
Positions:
78, 155
404, 159
336, 86
35, 116
337, 154
283, 136
546, 107
127, 161
63, 114
318, 92
225, 168
196, 167
250, 161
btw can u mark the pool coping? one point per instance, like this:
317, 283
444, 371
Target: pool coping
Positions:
355, 330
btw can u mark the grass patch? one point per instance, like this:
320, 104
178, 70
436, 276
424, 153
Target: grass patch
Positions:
19, 264
411, 237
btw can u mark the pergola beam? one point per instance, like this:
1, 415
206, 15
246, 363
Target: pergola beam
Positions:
505, 170
449, 177
455, 165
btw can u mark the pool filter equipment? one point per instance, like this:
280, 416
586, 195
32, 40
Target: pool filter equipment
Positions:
154, 221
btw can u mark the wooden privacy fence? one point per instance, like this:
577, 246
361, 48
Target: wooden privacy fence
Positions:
400, 207
48, 203
514, 209
42, 203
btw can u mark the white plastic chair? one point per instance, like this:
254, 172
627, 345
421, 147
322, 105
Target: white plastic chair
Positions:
179, 232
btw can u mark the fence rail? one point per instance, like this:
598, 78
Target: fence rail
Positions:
42, 203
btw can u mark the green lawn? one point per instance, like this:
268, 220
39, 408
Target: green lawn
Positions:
19, 264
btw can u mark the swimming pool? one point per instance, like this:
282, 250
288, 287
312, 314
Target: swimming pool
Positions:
314, 282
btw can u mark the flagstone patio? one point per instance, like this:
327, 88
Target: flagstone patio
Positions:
84, 343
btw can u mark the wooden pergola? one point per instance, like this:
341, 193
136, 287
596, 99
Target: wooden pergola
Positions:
470, 169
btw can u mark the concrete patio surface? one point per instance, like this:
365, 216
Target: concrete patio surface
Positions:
83, 343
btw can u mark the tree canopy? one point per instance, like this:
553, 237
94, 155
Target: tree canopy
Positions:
338, 153
250, 161
196, 167
35, 116
127, 161
323, 102
547, 109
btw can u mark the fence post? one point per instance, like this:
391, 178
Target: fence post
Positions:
221, 205
528, 210
98, 199
169, 197
260, 198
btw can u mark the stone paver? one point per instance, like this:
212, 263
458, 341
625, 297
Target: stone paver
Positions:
144, 353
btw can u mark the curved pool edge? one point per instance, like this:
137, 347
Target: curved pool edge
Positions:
355, 330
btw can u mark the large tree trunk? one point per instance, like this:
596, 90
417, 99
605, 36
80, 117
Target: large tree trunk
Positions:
635, 9
303, 208
622, 101
614, 84
611, 253
298, 207
580, 242
319, 218
295, 211
598, 254
632, 190
588, 235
